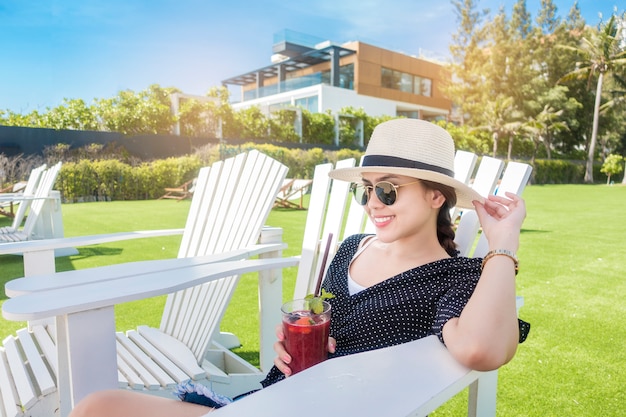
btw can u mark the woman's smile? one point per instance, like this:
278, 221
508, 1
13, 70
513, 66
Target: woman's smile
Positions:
382, 220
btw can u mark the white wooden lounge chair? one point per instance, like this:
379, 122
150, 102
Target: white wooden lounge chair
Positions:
181, 192
229, 207
487, 176
42, 193
464, 163
22, 199
292, 190
84, 352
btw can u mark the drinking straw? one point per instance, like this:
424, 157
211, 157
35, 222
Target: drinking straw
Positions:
318, 284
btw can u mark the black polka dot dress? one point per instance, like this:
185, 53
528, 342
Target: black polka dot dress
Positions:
414, 304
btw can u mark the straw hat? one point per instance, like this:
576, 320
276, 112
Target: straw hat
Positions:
415, 148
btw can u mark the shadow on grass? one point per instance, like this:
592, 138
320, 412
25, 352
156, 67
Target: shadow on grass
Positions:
67, 263
12, 266
288, 209
535, 231
88, 252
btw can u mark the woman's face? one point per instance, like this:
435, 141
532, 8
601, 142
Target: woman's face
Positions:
414, 210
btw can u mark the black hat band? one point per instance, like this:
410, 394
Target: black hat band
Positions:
395, 162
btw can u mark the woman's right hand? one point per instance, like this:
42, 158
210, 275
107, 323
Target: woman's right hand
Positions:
282, 359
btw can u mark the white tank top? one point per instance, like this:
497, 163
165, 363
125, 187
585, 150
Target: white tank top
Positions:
353, 286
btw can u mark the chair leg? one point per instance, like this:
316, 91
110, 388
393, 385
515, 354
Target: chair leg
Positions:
10, 214
482, 395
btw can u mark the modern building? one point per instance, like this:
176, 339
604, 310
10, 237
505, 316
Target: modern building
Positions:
317, 75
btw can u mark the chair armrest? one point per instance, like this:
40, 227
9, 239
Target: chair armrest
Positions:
13, 197
413, 378
22, 286
137, 286
19, 197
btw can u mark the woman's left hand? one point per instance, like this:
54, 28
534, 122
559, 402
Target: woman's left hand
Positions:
501, 219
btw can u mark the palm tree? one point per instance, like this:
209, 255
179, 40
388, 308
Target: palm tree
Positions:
502, 120
601, 52
541, 128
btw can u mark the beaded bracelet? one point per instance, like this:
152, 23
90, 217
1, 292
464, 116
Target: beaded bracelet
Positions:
502, 252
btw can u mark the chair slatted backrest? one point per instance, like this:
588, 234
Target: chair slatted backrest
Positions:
336, 209
484, 183
313, 228
230, 205
487, 175
357, 221
514, 180
325, 220
464, 164
29, 190
46, 184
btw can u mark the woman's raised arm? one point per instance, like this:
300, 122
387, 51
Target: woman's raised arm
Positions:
486, 334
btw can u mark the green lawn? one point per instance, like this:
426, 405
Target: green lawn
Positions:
573, 246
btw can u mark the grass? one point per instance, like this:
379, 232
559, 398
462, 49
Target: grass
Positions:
573, 363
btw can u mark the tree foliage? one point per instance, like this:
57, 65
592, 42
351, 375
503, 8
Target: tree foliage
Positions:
525, 82
137, 113
601, 53
613, 164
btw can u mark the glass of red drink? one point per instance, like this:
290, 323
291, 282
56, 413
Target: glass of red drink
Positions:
306, 333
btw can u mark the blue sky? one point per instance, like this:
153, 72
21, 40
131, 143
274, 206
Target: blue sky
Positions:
55, 49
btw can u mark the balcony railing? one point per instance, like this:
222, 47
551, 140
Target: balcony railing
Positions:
294, 84
284, 86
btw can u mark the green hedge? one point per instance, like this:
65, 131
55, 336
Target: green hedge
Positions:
558, 171
555, 171
106, 180
111, 179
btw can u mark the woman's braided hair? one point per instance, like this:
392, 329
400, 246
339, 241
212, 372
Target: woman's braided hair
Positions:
445, 231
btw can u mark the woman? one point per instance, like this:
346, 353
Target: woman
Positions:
406, 282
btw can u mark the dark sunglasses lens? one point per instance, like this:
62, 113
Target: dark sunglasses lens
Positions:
360, 194
386, 193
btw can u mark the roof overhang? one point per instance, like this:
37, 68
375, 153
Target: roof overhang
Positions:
305, 60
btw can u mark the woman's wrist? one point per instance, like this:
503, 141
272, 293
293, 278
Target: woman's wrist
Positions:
501, 252
503, 241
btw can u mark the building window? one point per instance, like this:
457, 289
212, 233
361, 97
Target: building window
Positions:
408, 83
325, 75
279, 106
307, 103
417, 85
388, 80
346, 77
426, 89
409, 114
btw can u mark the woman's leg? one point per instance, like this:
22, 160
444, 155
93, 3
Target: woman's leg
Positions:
122, 403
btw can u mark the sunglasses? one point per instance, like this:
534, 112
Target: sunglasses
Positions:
385, 191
